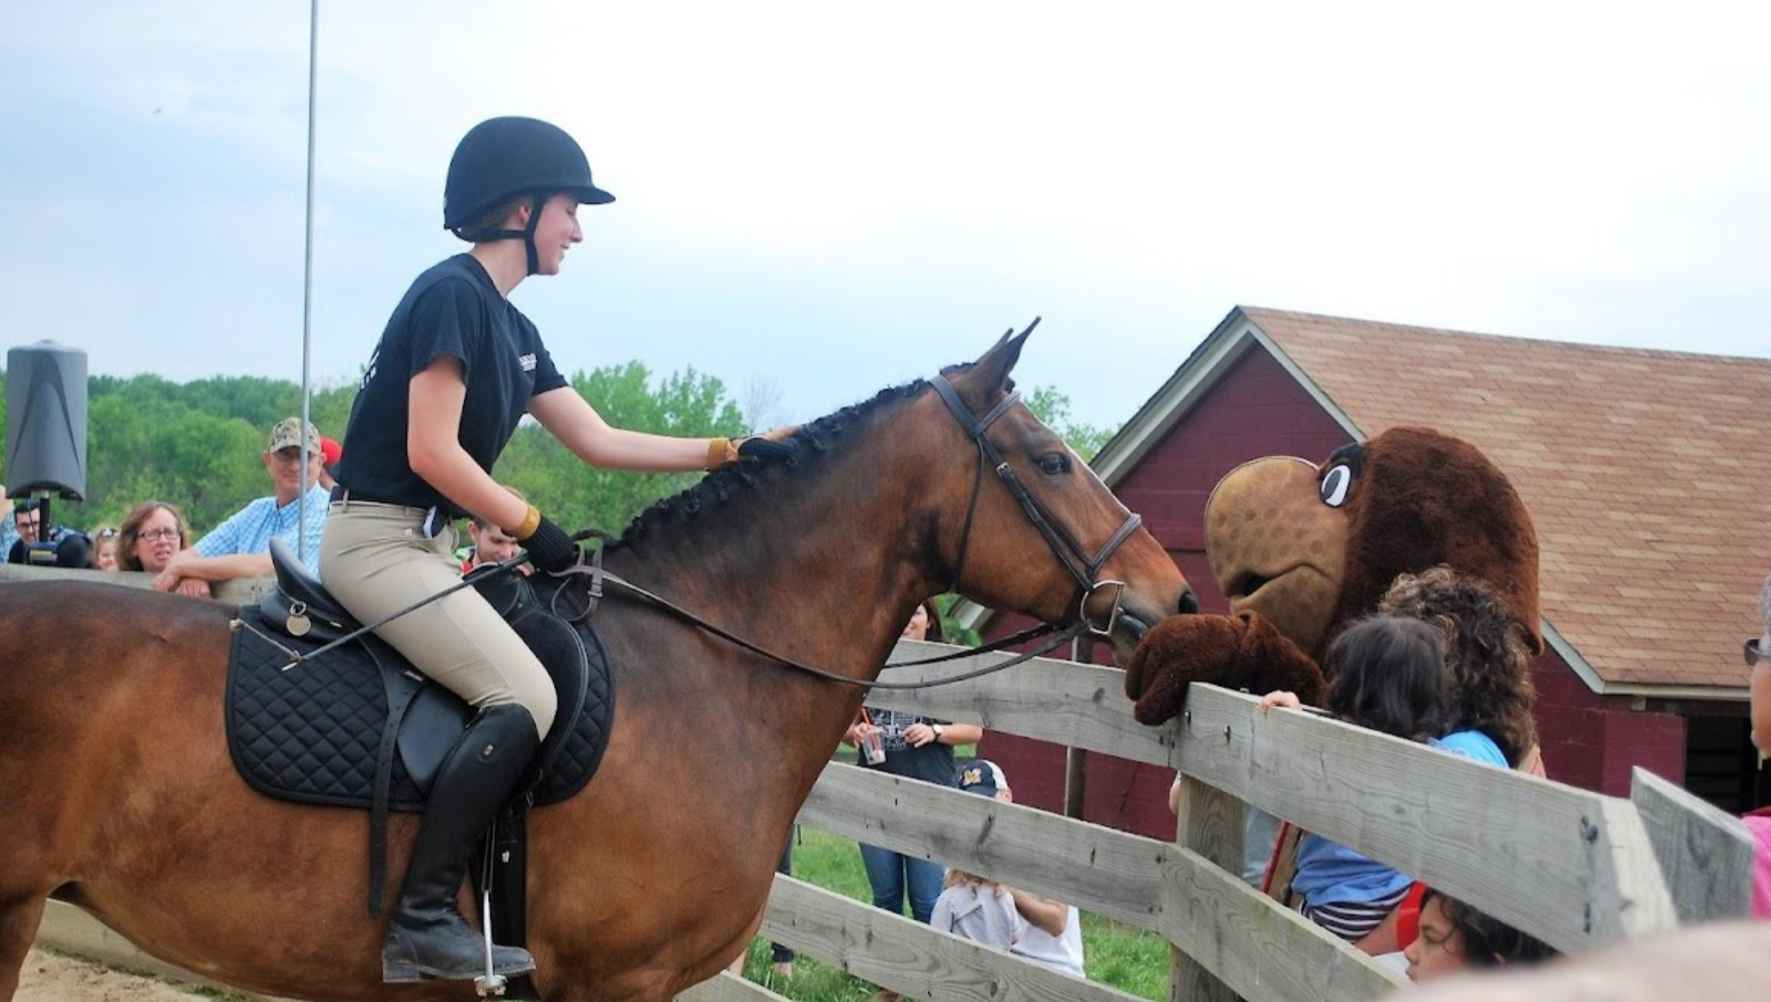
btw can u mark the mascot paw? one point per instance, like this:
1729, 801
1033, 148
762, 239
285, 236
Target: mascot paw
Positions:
1236, 652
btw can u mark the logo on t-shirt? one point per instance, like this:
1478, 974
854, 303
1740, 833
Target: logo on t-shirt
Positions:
528, 361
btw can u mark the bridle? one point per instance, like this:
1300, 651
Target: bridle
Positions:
1084, 568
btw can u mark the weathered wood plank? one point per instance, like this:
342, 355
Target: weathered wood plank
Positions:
1099, 870
728, 987
1705, 854
237, 592
1257, 947
909, 957
1573, 868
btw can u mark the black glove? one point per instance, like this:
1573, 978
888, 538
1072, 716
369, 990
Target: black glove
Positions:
550, 547
761, 447
722, 452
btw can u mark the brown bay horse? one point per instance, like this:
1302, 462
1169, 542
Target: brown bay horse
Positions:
120, 797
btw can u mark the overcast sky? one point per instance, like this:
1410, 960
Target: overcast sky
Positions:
830, 198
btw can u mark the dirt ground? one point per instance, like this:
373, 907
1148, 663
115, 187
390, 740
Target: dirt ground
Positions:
48, 977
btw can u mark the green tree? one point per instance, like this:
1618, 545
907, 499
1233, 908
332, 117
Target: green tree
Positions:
1053, 408
198, 445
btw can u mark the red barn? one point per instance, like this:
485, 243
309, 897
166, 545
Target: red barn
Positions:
1645, 472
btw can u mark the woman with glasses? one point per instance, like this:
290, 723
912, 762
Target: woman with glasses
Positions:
151, 536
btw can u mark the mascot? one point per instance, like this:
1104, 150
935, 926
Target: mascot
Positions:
1302, 550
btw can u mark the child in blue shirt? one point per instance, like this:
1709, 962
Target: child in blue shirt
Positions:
1387, 674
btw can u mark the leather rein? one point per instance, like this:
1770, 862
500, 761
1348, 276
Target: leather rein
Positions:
1083, 567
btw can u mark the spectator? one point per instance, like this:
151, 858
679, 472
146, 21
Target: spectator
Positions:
491, 545
1758, 660
971, 906
104, 548
1387, 675
1486, 657
240, 547
22, 522
153, 534
1456, 937
916, 748
1715, 962
59, 546
1047, 931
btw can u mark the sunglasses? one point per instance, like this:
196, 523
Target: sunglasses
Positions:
1753, 654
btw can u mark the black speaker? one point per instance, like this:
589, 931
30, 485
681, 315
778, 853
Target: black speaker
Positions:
46, 421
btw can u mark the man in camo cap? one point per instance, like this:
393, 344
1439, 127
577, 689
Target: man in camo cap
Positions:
240, 547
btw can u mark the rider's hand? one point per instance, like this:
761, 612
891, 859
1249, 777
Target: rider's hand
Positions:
725, 451
550, 547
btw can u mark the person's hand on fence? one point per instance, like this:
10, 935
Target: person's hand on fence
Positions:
1280, 697
194, 587
1244, 652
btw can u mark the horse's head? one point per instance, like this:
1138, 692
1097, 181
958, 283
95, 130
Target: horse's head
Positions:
1025, 524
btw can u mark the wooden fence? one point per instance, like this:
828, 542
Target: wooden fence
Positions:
1576, 869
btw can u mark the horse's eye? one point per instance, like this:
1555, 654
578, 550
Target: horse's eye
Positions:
1335, 484
1054, 464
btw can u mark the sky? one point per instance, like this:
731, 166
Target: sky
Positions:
818, 200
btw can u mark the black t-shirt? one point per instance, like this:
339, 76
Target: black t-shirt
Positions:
452, 309
932, 763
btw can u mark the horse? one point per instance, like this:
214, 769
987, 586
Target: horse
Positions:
121, 797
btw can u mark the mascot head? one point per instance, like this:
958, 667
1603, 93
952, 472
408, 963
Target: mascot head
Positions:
1311, 548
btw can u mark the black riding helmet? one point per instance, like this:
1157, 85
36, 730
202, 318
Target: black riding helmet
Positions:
505, 158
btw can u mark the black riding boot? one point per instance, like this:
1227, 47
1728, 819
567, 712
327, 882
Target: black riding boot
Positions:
428, 937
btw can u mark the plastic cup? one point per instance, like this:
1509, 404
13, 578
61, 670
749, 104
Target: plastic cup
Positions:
872, 748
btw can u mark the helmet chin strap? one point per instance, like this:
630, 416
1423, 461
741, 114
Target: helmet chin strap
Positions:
537, 202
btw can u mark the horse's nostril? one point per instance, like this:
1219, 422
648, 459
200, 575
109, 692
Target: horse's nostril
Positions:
1189, 600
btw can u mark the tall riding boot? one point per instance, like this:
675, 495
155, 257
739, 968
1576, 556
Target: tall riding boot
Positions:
428, 937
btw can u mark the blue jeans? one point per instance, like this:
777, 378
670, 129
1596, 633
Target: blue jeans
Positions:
891, 873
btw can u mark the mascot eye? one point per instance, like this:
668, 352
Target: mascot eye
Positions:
1335, 484
1053, 463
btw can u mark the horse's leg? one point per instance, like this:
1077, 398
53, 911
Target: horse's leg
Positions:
19, 917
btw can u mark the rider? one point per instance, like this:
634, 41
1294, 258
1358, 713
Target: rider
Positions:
455, 370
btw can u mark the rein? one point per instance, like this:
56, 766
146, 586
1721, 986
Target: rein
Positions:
599, 577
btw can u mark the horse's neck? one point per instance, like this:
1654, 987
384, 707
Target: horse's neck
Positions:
821, 583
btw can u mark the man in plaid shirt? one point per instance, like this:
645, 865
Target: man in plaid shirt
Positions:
240, 547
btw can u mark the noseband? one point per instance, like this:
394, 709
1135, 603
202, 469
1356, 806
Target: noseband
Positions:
1075, 559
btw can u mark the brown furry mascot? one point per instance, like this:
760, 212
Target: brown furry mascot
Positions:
1302, 550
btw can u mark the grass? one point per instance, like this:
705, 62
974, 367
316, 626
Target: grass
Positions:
1123, 957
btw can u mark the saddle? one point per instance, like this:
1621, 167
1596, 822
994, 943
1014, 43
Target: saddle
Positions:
359, 727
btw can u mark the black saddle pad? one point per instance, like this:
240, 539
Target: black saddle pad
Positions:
311, 734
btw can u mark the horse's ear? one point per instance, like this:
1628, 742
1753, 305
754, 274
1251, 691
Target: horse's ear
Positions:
991, 370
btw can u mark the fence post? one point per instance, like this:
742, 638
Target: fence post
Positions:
1082, 649
1209, 822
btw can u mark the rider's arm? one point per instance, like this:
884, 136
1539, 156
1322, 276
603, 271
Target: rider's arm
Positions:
571, 419
433, 447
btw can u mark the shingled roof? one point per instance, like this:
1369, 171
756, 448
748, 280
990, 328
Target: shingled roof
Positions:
1647, 473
